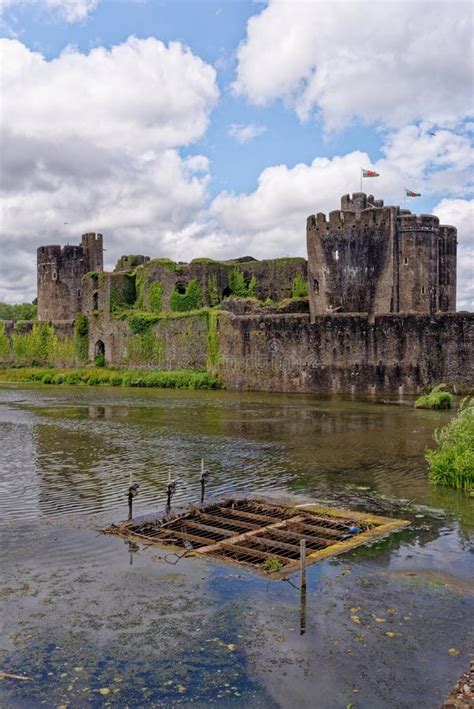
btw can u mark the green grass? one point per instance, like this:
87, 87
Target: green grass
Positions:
438, 398
452, 464
93, 376
272, 565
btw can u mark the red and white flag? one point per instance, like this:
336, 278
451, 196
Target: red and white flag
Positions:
369, 173
410, 193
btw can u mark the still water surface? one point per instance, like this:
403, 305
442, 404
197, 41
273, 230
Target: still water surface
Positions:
83, 613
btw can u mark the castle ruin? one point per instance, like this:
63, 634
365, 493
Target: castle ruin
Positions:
371, 310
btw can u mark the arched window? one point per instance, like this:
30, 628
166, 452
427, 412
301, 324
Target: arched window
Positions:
95, 301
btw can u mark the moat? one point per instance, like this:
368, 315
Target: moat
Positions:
96, 622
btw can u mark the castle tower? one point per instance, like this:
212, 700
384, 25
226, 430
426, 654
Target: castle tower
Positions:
59, 276
418, 263
447, 241
375, 259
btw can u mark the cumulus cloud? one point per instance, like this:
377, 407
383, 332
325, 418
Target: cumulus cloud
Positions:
68, 10
93, 140
244, 133
460, 213
384, 61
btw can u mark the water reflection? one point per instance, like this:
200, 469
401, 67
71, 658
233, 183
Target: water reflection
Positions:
74, 452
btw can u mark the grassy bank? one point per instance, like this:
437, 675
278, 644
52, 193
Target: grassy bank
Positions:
452, 464
88, 376
438, 398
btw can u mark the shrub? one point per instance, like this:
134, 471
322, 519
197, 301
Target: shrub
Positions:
237, 282
299, 288
438, 398
191, 299
140, 323
452, 464
99, 360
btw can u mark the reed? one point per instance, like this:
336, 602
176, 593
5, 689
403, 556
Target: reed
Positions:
452, 463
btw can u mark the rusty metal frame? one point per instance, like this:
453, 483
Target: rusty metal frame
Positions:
249, 531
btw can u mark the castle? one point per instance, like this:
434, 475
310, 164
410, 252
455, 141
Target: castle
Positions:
371, 310
365, 258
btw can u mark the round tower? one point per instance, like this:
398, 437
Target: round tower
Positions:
59, 281
447, 268
418, 260
92, 245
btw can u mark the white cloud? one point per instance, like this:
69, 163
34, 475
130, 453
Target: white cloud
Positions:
69, 10
244, 133
389, 62
460, 213
93, 140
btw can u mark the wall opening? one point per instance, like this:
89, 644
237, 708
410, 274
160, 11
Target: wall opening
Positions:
95, 301
181, 288
316, 285
422, 290
226, 292
99, 349
405, 260
336, 255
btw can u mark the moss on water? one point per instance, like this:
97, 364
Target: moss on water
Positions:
92, 376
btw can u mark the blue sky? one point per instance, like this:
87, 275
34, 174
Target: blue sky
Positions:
284, 103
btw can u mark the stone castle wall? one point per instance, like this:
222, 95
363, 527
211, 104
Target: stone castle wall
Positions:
269, 351
346, 353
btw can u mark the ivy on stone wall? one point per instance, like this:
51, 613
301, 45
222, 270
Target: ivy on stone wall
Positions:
299, 288
81, 338
213, 356
155, 297
191, 299
213, 290
146, 348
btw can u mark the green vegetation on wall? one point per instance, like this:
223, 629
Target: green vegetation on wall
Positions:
191, 299
4, 344
155, 297
146, 348
452, 464
20, 311
42, 346
81, 338
299, 288
213, 290
213, 357
438, 398
238, 285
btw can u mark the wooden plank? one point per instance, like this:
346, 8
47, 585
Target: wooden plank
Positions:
250, 515
233, 522
322, 530
251, 551
174, 533
298, 535
260, 531
208, 528
264, 541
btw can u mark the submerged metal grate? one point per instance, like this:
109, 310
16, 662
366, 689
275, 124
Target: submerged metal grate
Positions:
258, 534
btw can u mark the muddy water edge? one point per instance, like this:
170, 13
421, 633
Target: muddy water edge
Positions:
93, 621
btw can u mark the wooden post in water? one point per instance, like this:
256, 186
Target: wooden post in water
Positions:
303, 562
303, 586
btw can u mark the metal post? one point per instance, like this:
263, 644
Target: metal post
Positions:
303, 562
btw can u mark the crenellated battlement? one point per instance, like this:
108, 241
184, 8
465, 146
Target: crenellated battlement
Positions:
368, 257
418, 222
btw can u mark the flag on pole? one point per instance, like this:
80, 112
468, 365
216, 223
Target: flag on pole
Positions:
410, 193
369, 173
